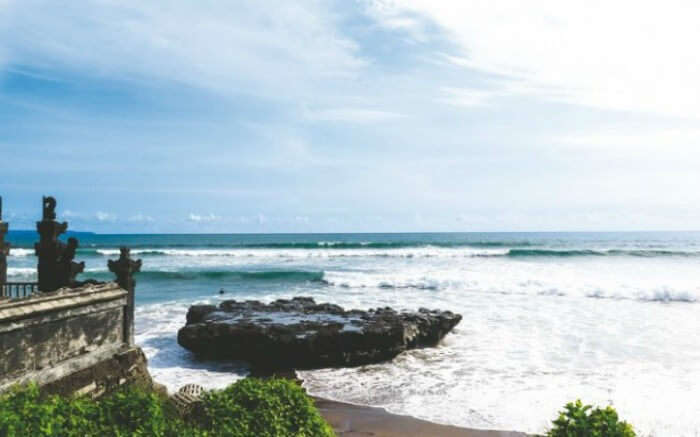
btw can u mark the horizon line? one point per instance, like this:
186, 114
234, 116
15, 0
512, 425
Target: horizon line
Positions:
378, 232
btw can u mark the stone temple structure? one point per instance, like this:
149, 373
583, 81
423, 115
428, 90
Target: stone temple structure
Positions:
68, 336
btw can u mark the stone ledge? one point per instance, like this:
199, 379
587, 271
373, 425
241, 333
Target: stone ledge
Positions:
59, 300
63, 313
65, 368
93, 374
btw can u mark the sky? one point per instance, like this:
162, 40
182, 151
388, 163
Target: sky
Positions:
351, 115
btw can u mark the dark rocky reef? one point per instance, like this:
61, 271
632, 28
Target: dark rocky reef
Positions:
301, 334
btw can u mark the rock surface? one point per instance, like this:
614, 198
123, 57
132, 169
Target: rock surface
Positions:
301, 334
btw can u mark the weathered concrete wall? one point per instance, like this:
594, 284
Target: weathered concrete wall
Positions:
59, 335
128, 366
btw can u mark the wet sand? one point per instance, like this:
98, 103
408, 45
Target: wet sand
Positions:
359, 421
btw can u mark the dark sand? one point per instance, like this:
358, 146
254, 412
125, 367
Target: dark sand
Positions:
358, 421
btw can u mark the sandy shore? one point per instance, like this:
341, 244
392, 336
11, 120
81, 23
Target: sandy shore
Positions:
358, 421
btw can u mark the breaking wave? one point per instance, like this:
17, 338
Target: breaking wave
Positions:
462, 284
593, 252
21, 252
21, 272
389, 251
276, 275
319, 252
335, 249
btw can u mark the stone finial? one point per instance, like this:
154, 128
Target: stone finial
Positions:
49, 208
124, 268
53, 272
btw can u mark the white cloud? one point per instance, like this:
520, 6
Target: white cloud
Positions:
241, 47
331, 108
397, 18
70, 214
627, 55
102, 216
467, 96
141, 218
659, 138
351, 115
199, 218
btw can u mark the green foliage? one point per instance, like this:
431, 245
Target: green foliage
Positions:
23, 413
134, 412
127, 412
578, 420
251, 407
264, 408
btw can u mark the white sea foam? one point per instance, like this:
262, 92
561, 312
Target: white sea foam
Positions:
19, 252
171, 365
538, 352
324, 251
519, 279
23, 272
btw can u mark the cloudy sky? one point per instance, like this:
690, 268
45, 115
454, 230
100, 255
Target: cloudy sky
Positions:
368, 115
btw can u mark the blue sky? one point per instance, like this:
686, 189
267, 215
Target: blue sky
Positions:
351, 116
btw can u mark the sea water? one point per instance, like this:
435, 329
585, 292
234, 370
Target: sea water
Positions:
608, 318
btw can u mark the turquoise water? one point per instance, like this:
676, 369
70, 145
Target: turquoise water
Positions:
192, 266
548, 317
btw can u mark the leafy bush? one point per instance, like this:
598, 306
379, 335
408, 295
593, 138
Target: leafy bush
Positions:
578, 420
264, 408
127, 412
251, 407
134, 412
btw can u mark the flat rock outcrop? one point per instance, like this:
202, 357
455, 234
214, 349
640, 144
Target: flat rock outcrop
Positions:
301, 334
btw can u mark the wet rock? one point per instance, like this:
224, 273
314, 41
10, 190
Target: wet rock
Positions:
301, 334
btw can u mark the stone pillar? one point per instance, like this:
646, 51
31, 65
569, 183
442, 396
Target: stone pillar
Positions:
49, 249
4, 250
124, 268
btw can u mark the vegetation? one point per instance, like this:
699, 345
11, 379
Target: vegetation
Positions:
264, 408
251, 407
578, 420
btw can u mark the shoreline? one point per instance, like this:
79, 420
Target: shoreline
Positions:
350, 420
353, 420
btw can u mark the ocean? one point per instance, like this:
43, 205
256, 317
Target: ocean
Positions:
608, 318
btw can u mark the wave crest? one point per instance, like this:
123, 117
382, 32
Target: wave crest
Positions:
273, 275
516, 253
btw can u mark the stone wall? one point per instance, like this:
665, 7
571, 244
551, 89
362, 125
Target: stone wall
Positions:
104, 375
70, 340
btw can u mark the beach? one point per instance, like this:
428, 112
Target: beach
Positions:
608, 318
361, 421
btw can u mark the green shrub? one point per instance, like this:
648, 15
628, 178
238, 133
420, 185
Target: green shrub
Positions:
248, 408
264, 408
24, 413
127, 412
134, 412
578, 420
